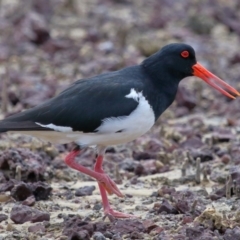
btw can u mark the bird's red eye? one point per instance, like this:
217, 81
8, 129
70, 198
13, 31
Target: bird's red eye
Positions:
185, 54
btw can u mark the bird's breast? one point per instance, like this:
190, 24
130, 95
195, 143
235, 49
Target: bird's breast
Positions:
118, 130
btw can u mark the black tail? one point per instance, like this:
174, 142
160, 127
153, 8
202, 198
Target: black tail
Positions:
6, 126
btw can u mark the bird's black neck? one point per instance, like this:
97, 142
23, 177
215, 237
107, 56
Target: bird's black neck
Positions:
163, 88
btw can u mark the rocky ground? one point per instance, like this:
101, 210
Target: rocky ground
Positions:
182, 179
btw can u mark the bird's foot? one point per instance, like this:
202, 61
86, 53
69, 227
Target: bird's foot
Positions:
111, 214
108, 184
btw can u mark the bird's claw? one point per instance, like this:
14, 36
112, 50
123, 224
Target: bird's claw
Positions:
109, 185
111, 214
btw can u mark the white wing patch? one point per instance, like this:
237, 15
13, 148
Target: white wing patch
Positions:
136, 96
56, 128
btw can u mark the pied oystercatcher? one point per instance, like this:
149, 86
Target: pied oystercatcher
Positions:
113, 108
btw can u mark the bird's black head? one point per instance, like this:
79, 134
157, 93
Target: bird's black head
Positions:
175, 61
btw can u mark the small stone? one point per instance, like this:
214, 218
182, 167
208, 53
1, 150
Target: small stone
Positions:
3, 217
30, 201
181, 111
81, 235
4, 197
9, 227
226, 158
85, 191
187, 219
219, 193
141, 208
116, 237
98, 236
97, 206
64, 238
167, 207
41, 190
147, 202
37, 228
36, 24
205, 154
217, 176
232, 234
75, 224
139, 169
192, 143
150, 166
8, 186
222, 137
149, 225
106, 46
200, 24
127, 226
2, 177
142, 155
108, 234
52, 151
136, 235
156, 230
40, 216
128, 165
192, 233
156, 205
166, 190
101, 226
21, 214
182, 206
21, 192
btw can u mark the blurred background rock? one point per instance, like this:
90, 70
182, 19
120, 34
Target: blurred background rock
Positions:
47, 44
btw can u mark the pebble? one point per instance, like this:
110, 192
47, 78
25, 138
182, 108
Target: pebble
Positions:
85, 191
21, 214
98, 236
37, 228
3, 217
21, 191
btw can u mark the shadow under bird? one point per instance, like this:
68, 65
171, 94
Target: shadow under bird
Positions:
113, 108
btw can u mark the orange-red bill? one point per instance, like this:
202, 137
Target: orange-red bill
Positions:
214, 81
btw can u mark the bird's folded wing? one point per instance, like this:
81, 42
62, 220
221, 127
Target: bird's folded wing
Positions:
81, 107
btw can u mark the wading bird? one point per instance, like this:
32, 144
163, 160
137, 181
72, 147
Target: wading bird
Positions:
113, 108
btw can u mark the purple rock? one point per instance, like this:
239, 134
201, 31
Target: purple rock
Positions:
21, 214
85, 191
3, 217
37, 228
21, 192
167, 207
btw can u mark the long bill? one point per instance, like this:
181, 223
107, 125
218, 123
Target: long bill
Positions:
214, 81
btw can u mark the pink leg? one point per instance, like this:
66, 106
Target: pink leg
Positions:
106, 206
100, 176
98, 169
